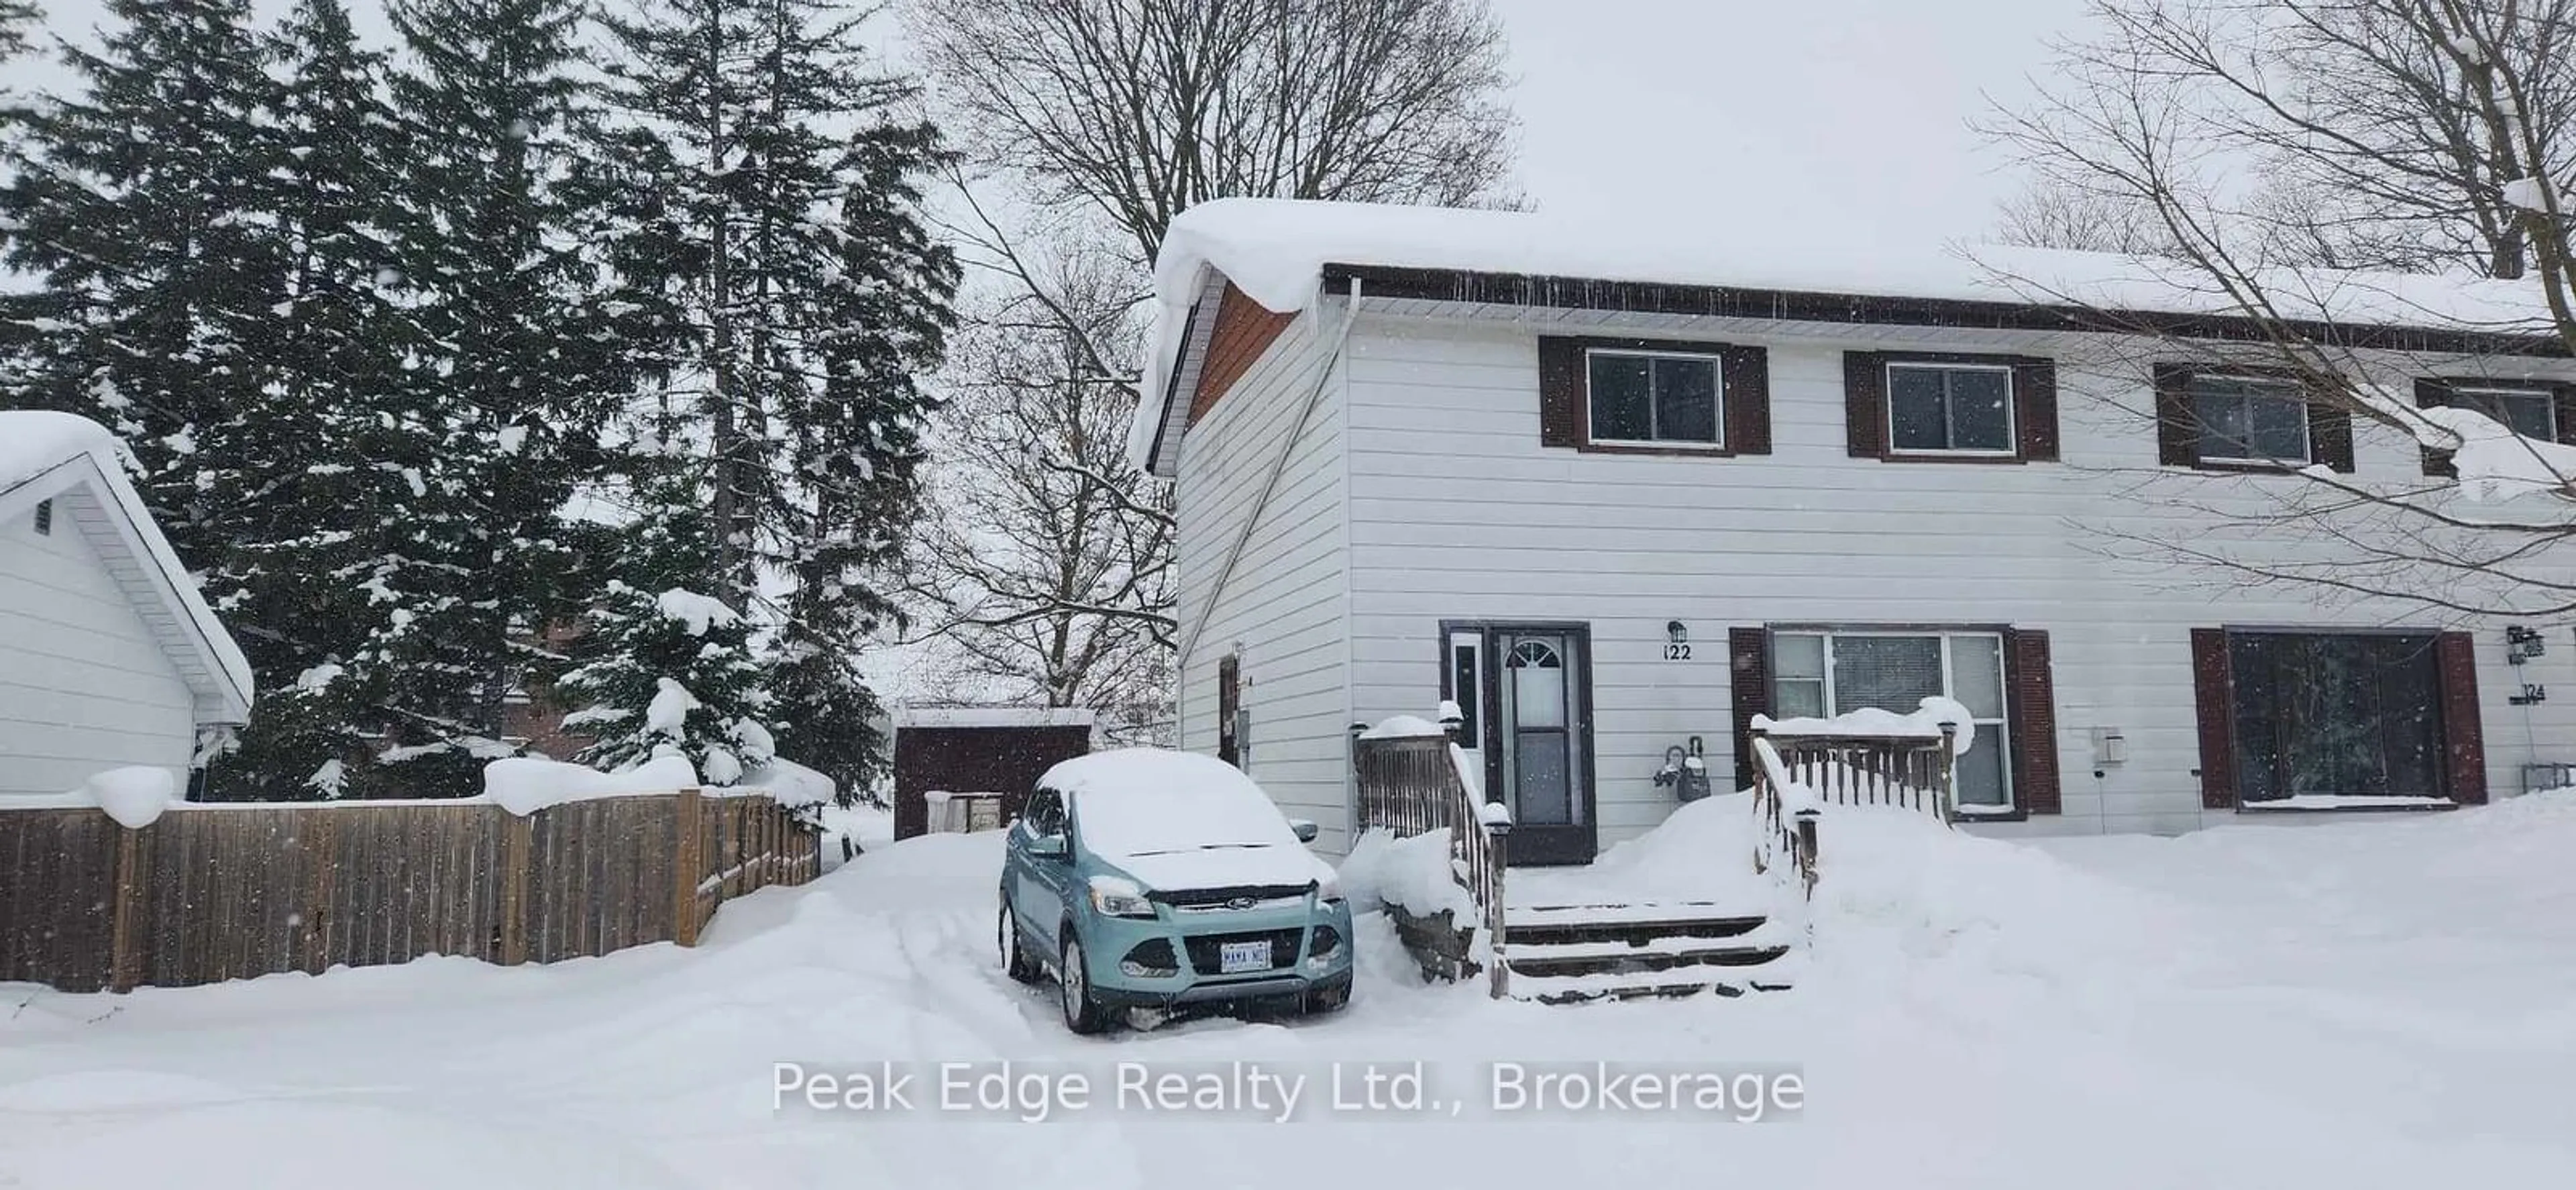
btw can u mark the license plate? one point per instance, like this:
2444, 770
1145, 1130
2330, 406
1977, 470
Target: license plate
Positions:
1232, 957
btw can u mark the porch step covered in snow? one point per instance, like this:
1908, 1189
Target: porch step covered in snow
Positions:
1567, 953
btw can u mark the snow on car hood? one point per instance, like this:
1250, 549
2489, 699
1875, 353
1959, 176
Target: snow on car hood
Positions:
1224, 867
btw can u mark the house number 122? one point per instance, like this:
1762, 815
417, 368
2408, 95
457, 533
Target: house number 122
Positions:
1677, 652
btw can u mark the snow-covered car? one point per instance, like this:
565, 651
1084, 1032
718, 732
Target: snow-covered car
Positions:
1147, 878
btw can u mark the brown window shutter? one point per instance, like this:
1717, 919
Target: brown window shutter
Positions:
2029, 682
2177, 427
1749, 655
1865, 403
2213, 695
1748, 400
2433, 394
2564, 396
2035, 408
2330, 436
1561, 387
2455, 658
1229, 703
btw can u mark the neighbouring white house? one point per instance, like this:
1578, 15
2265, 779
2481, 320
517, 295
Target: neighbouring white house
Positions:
109, 658
1616, 490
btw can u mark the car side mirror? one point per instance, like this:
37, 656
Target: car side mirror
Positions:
1305, 828
1048, 846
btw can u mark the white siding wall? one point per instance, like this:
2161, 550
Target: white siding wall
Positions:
84, 686
1285, 602
1457, 512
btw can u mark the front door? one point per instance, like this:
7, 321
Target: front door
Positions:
1529, 722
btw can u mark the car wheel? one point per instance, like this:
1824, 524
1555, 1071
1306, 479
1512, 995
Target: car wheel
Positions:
1015, 961
1082, 1013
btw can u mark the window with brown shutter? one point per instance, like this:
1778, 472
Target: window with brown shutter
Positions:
1653, 396
1749, 657
2235, 418
2000, 675
1949, 407
2546, 412
2214, 704
2031, 686
2300, 719
2464, 752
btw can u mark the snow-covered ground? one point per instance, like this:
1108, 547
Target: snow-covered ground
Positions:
2375, 1004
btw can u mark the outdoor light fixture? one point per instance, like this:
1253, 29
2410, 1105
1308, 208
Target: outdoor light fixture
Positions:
2522, 644
1677, 632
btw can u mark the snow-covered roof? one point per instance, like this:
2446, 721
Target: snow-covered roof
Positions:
78, 464
993, 717
1276, 251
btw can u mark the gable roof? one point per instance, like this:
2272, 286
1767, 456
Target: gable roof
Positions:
77, 464
1282, 253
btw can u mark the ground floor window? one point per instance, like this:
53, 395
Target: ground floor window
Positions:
1833, 672
2335, 715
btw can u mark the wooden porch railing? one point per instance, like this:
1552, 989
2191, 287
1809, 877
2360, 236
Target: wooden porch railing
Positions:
1918, 772
1795, 775
1410, 785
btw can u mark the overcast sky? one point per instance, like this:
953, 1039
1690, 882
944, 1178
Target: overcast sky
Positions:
1841, 117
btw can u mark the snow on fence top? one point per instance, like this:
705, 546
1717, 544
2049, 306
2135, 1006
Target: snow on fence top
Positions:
1923, 723
36, 443
1275, 250
993, 717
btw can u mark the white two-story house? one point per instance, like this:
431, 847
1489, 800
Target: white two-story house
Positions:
1614, 492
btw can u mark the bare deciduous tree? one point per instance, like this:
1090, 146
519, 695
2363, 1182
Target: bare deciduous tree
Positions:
1045, 565
1141, 109
2423, 135
1091, 124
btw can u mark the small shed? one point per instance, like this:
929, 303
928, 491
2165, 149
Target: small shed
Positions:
971, 750
111, 658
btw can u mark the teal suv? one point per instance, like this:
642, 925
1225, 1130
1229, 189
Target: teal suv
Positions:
1146, 878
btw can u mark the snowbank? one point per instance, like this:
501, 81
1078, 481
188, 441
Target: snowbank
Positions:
526, 784
1413, 874
1923, 723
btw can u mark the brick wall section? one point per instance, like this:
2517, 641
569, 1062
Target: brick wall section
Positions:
1243, 331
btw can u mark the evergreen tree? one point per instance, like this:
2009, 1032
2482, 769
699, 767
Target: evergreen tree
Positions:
135, 205
18, 22
802, 292
663, 670
325, 561
519, 365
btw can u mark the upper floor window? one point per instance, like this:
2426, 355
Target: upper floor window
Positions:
1654, 397
1950, 408
2245, 419
2529, 412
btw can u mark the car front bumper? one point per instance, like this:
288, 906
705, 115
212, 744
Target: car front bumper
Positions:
1194, 940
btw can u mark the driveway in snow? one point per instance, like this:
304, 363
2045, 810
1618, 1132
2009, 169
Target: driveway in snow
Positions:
2375, 1004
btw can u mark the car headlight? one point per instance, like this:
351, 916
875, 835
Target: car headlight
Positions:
1115, 897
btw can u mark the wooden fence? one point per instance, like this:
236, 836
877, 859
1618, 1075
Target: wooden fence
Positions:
216, 892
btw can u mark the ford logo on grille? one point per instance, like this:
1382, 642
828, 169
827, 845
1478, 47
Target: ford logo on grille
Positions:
1240, 903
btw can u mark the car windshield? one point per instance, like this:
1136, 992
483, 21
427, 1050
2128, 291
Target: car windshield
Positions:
1148, 803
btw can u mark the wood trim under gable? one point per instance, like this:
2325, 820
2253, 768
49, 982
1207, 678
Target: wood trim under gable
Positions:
1244, 330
